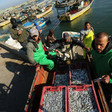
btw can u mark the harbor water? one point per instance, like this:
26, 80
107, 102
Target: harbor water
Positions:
99, 16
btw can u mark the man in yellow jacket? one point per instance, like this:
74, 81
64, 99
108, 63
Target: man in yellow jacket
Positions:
87, 36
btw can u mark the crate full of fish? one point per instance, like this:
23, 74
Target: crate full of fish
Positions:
79, 73
53, 99
61, 78
82, 98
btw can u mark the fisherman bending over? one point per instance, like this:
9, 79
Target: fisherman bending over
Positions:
67, 40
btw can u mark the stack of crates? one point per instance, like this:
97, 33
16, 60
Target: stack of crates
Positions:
79, 93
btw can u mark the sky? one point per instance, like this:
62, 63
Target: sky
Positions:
8, 3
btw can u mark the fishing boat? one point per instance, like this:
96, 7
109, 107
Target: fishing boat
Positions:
45, 11
28, 25
41, 22
44, 81
21, 18
72, 34
6, 19
72, 10
5, 22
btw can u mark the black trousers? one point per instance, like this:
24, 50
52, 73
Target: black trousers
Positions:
107, 89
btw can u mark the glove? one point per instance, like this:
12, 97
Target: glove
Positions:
50, 56
46, 52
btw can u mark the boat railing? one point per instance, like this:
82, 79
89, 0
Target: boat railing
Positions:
98, 86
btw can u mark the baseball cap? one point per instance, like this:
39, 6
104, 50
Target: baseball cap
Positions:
33, 32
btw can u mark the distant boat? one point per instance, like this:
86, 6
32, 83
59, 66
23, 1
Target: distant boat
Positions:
5, 22
74, 11
41, 22
46, 11
72, 34
22, 16
28, 25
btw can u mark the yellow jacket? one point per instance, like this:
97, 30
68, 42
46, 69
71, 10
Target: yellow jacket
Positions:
88, 41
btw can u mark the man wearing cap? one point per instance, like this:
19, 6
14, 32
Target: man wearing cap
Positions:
18, 33
35, 51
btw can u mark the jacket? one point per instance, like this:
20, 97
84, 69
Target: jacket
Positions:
35, 51
20, 38
59, 43
88, 39
103, 61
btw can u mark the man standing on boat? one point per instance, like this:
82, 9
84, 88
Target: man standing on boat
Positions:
102, 60
35, 51
19, 33
50, 38
87, 36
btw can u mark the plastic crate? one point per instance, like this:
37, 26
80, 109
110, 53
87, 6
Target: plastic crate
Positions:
78, 66
53, 99
63, 78
82, 98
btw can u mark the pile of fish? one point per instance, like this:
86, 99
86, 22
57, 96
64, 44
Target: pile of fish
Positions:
61, 79
79, 76
54, 101
78, 100
82, 101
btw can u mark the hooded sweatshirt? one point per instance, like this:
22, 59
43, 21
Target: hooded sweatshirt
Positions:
36, 54
35, 50
103, 61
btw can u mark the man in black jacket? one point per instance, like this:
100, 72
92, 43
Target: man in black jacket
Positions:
68, 40
19, 33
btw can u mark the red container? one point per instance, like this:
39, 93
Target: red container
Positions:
79, 65
61, 73
78, 89
53, 89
